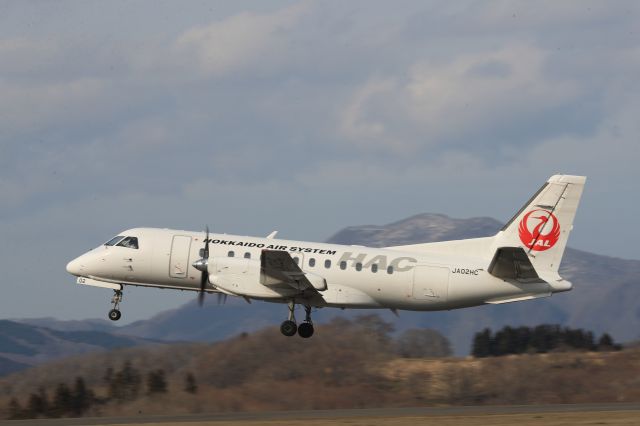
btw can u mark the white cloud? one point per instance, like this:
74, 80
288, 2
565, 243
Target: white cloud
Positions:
458, 101
355, 124
239, 41
310, 116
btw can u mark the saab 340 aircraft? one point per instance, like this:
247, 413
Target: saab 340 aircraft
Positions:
519, 263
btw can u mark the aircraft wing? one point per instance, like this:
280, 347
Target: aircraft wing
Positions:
277, 267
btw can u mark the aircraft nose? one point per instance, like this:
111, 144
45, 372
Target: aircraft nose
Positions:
75, 267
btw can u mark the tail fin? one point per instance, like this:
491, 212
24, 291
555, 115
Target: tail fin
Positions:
542, 226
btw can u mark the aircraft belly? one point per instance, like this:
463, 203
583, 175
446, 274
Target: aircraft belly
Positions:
246, 284
466, 291
344, 296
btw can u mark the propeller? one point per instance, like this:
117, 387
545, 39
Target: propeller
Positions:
202, 265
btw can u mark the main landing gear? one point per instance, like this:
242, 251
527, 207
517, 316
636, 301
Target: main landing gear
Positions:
114, 313
289, 326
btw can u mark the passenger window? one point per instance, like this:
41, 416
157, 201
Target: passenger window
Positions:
390, 270
247, 255
129, 242
114, 240
296, 260
374, 268
312, 262
231, 254
343, 265
327, 263
358, 266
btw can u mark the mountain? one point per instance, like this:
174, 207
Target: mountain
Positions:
71, 325
604, 298
8, 366
23, 345
423, 228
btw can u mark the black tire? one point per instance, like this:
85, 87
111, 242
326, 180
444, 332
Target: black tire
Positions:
305, 330
114, 315
288, 328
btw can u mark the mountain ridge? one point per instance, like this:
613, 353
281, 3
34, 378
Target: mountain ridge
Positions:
23, 345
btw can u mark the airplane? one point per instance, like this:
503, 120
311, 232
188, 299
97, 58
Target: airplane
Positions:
519, 263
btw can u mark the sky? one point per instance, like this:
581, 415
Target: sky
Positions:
303, 117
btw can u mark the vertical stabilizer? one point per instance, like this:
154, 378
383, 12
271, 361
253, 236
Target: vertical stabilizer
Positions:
543, 225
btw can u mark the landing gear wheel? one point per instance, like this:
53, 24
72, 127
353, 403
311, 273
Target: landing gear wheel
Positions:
305, 330
288, 328
114, 315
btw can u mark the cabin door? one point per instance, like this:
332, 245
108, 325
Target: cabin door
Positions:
179, 258
430, 283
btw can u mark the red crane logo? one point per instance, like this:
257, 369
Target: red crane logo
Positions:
539, 230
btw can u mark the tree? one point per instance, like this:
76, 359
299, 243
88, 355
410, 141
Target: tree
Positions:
38, 404
606, 343
376, 327
156, 382
108, 376
422, 343
190, 385
125, 384
505, 341
15, 411
62, 400
82, 398
482, 344
541, 339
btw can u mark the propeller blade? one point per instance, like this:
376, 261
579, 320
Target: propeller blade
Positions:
222, 298
205, 254
203, 282
204, 277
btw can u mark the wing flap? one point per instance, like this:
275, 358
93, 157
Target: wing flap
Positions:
277, 267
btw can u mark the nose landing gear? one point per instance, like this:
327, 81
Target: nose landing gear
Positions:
114, 313
289, 326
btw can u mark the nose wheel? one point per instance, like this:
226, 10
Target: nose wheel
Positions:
114, 313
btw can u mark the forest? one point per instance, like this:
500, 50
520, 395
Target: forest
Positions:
349, 364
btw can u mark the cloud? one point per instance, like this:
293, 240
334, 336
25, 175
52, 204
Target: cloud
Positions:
307, 116
458, 103
24, 107
23, 56
239, 41
355, 124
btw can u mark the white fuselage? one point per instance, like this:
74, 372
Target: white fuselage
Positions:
355, 276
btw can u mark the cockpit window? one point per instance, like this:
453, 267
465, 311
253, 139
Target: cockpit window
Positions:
129, 242
114, 240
